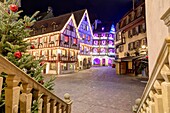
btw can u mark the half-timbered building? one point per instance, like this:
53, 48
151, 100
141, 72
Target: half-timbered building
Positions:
56, 41
86, 37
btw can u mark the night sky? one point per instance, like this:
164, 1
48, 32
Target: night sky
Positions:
104, 10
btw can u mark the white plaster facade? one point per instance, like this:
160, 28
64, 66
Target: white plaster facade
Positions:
157, 31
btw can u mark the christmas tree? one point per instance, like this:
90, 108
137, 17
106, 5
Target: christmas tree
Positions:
13, 30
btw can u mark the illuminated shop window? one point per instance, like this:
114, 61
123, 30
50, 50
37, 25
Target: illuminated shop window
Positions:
52, 66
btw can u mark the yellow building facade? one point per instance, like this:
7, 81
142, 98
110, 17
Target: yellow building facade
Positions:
131, 40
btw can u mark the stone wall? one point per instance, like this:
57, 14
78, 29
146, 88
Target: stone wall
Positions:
156, 30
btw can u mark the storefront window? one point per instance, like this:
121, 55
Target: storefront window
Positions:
64, 67
71, 66
52, 66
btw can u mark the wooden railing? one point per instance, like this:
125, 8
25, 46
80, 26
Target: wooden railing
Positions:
21, 89
156, 96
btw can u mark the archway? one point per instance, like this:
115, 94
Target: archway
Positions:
103, 62
96, 61
84, 63
109, 62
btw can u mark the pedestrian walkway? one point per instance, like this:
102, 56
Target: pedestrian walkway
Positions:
99, 90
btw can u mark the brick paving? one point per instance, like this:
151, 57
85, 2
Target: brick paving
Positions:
99, 90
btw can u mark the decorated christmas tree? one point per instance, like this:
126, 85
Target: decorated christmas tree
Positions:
13, 30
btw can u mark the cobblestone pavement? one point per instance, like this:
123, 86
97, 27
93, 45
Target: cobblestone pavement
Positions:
99, 90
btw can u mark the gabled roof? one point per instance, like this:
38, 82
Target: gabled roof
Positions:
78, 15
59, 20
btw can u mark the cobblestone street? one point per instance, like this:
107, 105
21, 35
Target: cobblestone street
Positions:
99, 90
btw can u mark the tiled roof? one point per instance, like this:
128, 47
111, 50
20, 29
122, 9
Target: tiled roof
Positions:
59, 20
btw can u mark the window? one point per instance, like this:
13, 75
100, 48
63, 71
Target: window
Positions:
130, 46
121, 47
103, 50
89, 38
123, 40
127, 20
45, 39
144, 41
95, 50
137, 30
68, 32
84, 36
132, 16
139, 10
95, 42
71, 28
34, 31
136, 44
74, 41
130, 33
111, 42
43, 29
111, 50
134, 31
52, 66
73, 34
143, 27
66, 39
54, 26
85, 27
103, 42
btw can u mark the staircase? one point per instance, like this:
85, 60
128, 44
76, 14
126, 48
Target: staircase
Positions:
156, 95
22, 89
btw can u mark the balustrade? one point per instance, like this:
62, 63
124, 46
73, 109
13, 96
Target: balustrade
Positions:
22, 90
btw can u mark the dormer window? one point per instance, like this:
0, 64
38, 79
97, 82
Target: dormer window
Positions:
43, 29
34, 31
54, 25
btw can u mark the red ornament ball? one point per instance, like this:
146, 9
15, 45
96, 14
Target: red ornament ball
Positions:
13, 8
32, 47
42, 63
147, 57
18, 54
